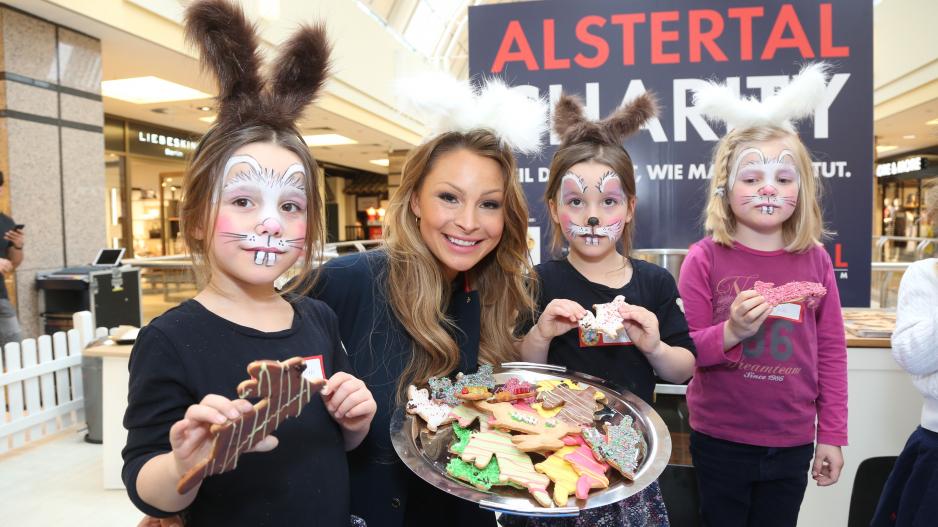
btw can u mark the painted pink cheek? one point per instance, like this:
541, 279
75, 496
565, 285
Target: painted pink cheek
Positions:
224, 224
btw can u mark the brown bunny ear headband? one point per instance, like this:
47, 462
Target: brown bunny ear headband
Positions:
228, 46
572, 125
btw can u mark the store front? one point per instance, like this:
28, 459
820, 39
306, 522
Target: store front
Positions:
901, 185
144, 168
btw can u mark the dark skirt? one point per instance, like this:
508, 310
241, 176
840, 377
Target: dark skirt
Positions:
643, 509
910, 496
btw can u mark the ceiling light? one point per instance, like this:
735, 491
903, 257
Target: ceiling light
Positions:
208, 119
910, 136
328, 140
380, 162
933, 122
885, 148
149, 90
204, 108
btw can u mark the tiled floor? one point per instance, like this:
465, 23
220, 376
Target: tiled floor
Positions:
58, 482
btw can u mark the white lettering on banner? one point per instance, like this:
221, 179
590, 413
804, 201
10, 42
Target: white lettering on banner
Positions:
173, 153
685, 112
543, 174
829, 169
698, 171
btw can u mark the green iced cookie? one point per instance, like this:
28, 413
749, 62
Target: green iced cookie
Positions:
462, 439
481, 478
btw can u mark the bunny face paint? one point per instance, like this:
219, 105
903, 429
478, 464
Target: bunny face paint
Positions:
764, 183
260, 228
591, 208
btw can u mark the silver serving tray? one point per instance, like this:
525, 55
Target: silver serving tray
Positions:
427, 454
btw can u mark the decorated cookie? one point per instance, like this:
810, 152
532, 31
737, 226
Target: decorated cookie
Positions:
561, 473
283, 392
552, 383
592, 473
546, 413
473, 393
789, 293
465, 414
515, 389
480, 478
607, 319
539, 434
436, 414
621, 446
443, 389
576, 406
514, 465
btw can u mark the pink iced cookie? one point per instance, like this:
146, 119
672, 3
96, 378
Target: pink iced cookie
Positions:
592, 473
790, 292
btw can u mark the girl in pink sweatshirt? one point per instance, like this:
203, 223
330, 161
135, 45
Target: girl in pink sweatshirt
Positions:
769, 379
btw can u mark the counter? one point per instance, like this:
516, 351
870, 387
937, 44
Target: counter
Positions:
114, 381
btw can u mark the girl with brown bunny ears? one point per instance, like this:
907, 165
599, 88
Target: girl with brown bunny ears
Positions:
591, 197
252, 209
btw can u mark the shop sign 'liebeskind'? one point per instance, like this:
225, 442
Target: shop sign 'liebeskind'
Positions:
609, 52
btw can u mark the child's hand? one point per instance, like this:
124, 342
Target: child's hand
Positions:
828, 461
748, 312
642, 327
349, 402
190, 436
559, 317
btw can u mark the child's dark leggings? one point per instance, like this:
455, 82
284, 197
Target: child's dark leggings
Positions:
746, 485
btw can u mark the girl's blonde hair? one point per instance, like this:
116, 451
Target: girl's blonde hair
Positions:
418, 292
804, 229
613, 156
202, 188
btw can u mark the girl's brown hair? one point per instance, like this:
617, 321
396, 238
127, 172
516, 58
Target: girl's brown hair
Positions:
418, 292
613, 156
804, 229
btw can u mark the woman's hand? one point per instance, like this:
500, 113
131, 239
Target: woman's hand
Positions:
559, 317
349, 402
641, 326
190, 437
747, 313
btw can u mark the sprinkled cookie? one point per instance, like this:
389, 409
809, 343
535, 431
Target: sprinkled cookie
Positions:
436, 414
621, 446
607, 319
443, 389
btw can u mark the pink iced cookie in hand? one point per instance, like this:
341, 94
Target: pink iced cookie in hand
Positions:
789, 293
607, 319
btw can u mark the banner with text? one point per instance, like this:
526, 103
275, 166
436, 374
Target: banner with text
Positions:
608, 52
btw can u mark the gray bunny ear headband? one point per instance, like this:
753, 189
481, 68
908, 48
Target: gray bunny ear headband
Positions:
573, 126
795, 101
228, 46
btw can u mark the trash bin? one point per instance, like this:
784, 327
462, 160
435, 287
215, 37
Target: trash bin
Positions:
670, 259
91, 383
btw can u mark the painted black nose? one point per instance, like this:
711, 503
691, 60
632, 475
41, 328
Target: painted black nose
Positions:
592, 222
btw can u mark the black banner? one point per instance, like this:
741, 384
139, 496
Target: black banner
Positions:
609, 51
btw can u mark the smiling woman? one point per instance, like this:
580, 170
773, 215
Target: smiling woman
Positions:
443, 294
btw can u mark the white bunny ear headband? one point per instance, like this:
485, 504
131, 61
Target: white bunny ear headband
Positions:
446, 104
795, 101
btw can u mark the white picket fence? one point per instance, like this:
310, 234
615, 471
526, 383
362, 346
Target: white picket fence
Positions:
40, 383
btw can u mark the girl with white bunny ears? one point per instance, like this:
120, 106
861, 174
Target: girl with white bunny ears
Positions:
764, 374
445, 291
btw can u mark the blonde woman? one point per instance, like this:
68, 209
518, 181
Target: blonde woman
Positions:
764, 375
443, 295
915, 348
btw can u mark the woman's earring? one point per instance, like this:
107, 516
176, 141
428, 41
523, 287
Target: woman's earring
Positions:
418, 221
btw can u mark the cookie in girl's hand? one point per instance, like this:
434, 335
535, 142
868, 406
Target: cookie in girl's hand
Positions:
789, 293
435, 413
607, 319
283, 391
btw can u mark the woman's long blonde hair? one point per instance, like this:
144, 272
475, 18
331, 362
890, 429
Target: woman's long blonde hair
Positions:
804, 229
418, 292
